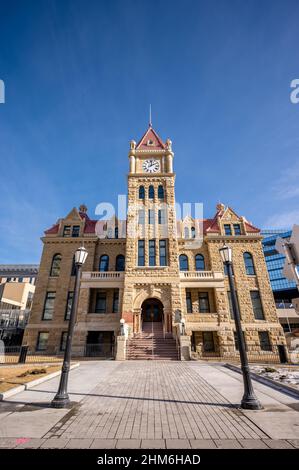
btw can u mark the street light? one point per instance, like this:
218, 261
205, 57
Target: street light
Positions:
249, 400
61, 399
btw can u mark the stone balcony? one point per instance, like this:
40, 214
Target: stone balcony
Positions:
94, 279
202, 278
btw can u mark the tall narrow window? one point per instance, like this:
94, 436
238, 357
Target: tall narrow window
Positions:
161, 217
69, 304
231, 305
49, 306
104, 263
199, 262
151, 192
115, 301
76, 231
141, 257
188, 301
100, 306
249, 266
141, 216
162, 250
66, 231
183, 261
257, 305
227, 229
192, 232
265, 342
237, 229
141, 192
160, 192
120, 263
55, 266
204, 304
42, 341
151, 216
116, 232
186, 232
152, 252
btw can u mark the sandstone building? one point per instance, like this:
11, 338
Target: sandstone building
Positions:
152, 271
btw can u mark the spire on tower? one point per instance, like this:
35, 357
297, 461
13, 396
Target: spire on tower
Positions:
150, 115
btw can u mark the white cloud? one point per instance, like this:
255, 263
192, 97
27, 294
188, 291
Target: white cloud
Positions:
283, 220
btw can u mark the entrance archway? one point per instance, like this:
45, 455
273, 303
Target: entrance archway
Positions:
152, 310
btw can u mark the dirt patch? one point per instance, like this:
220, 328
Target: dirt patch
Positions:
13, 376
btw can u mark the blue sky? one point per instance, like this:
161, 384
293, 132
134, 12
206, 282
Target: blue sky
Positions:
79, 78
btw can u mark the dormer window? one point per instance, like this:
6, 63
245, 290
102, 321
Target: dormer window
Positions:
76, 231
66, 231
227, 229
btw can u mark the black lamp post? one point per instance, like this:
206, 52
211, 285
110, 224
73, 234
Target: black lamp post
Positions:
249, 400
61, 399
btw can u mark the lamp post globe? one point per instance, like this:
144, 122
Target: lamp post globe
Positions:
249, 400
61, 399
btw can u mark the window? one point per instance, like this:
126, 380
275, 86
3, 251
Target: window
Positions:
66, 231
188, 302
237, 229
152, 252
184, 265
204, 304
120, 263
192, 232
55, 266
49, 306
76, 231
151, 216
63, 340
227, 229
104, 263
208, 341
141, 192
231, 305
162, 249
237, 342
115, 302
69, 304
141, 259
20, 279
42, 341
186, 232
199, 263
141, 216
116, 232
249, 266
151, 192
257, 305
161, 217
160, 192
100, 306
265, 342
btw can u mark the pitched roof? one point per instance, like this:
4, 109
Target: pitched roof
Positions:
150, 136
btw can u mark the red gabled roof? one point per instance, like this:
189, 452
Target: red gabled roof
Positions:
251, 228
151, 135
52, 230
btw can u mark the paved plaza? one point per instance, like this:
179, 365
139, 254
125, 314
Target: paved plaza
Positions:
149, 404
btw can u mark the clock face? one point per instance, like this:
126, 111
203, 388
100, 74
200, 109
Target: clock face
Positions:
151, 166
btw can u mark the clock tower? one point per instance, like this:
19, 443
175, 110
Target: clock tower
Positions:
151, 246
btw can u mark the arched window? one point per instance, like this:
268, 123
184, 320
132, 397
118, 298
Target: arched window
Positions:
120, 263
199, 262
184, 265
104, 263
151, 192
186, 232
116, 232
55, 266
249, 266
141, 192
192, 232
160, 192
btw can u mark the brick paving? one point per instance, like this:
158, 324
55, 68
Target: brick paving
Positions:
155, 401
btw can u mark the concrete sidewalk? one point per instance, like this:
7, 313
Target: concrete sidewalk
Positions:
149, 404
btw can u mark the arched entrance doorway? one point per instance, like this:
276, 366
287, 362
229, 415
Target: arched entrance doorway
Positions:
152, 310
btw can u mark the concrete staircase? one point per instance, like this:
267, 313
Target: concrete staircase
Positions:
150, 344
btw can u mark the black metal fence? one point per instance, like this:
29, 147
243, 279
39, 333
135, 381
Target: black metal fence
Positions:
104, 350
